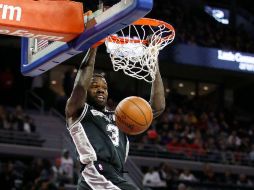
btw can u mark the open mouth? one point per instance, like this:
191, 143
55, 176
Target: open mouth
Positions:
100, 98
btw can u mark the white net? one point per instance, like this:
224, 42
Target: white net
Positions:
131, 53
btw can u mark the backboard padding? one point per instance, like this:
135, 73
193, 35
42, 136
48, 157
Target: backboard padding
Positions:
110, 21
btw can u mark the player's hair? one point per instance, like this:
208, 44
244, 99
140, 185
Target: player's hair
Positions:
99, 75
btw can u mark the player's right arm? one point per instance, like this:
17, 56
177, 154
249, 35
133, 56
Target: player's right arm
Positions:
75, 104
82, 81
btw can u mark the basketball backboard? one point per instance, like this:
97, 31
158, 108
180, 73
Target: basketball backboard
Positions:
40, 55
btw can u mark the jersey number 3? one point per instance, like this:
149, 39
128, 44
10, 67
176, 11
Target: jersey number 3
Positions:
113, 134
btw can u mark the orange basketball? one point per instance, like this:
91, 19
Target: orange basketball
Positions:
133, 115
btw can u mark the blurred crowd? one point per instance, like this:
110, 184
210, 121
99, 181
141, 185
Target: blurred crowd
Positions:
195, 133
195, 27
192, 131
167, 177
62, 173
16, 120
38, 173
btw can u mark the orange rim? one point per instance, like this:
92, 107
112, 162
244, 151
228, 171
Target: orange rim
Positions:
142, 21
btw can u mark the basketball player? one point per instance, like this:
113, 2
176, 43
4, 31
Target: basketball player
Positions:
102, 148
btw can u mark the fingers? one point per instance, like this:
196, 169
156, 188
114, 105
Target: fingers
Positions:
153, 39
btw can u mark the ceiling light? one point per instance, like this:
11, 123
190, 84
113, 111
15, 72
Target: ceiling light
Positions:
180, 85
205, 88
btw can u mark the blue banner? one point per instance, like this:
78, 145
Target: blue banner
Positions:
211, 57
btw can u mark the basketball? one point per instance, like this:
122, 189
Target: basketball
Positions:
133, 115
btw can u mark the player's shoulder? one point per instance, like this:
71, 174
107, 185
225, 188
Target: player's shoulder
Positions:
98, 112
109, 111
83, 110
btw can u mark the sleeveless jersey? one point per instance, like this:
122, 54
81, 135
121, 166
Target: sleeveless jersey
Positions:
97, 138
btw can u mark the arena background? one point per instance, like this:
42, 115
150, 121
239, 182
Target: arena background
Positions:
203, 140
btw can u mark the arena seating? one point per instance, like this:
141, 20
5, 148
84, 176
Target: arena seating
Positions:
195, 27
20, 138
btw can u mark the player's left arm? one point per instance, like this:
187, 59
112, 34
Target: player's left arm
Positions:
157, 97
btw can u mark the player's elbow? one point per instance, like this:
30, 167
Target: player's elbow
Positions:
68, 109
158, 107
162, 106
158, 111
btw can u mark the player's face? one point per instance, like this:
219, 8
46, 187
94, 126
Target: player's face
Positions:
97, 93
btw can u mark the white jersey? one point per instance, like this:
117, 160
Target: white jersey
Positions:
67, 166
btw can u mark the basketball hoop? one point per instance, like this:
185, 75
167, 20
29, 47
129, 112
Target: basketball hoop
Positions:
135, 49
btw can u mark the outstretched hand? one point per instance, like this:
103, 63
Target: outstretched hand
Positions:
153, 39
153, 46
